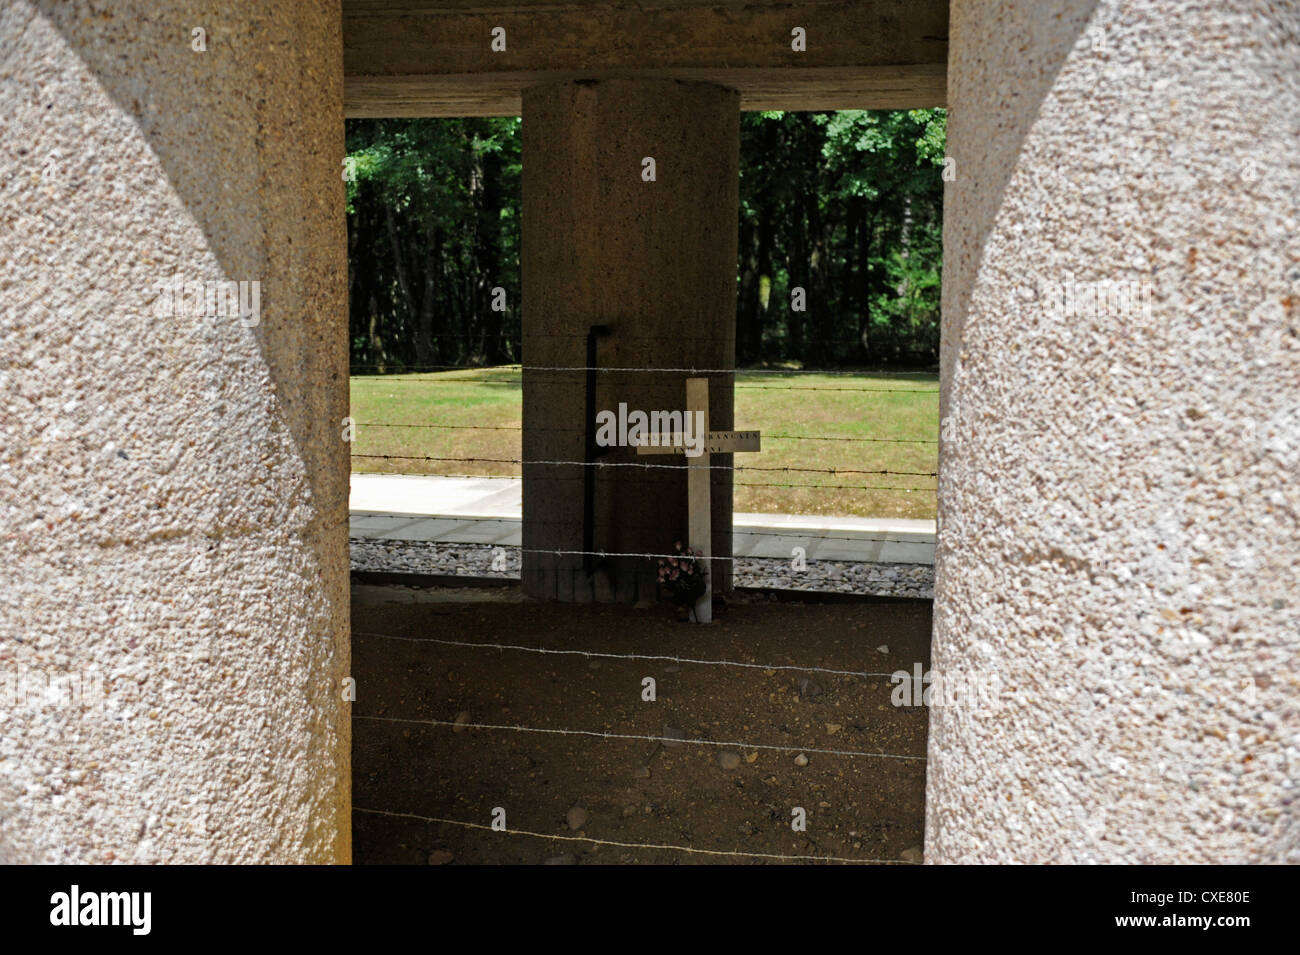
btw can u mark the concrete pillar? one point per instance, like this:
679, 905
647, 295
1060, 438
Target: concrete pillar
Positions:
1119, 516
173, 487
655, 261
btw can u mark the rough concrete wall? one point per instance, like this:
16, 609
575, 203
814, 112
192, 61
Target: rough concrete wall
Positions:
173, 487
1119, 511
656, 262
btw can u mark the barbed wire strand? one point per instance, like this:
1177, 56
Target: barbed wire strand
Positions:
617, 335
618, 656
582, 384
515, 427
637, 736
512, 367
515, 477
828, 487
793, 533
633, 845
649, 466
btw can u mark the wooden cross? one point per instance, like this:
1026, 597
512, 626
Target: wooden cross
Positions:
698, 504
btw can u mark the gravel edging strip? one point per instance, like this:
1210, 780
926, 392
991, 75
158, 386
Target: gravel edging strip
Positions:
455, 565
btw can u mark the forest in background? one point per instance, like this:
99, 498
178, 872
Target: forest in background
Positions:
846, 205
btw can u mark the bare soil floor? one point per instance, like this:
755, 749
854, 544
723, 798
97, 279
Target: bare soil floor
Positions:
632, 791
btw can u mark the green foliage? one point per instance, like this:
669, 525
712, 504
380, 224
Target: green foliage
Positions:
433, 226
847, 205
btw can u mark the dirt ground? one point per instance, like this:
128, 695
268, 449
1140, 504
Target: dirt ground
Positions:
632, 791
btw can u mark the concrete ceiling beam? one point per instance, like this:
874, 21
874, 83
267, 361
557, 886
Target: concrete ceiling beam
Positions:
420, 58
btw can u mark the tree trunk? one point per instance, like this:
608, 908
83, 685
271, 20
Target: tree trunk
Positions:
821, 349
862, 285
747, 296
797, 270
487, 255
426, 342
407, 302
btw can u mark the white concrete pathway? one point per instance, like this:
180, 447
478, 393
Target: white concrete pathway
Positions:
487, 511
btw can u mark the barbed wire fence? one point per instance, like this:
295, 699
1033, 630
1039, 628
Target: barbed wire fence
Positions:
492, 375
842, 478
872, 681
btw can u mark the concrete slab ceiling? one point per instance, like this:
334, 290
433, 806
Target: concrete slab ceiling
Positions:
436, 57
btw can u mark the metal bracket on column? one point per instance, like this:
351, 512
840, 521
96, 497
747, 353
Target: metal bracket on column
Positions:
593, 451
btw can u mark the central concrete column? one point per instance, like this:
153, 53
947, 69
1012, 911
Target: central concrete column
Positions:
652, 260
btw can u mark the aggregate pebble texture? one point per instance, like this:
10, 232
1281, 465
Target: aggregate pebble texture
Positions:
173, 630
1119, 516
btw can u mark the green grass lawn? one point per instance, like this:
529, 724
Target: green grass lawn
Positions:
392, 412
